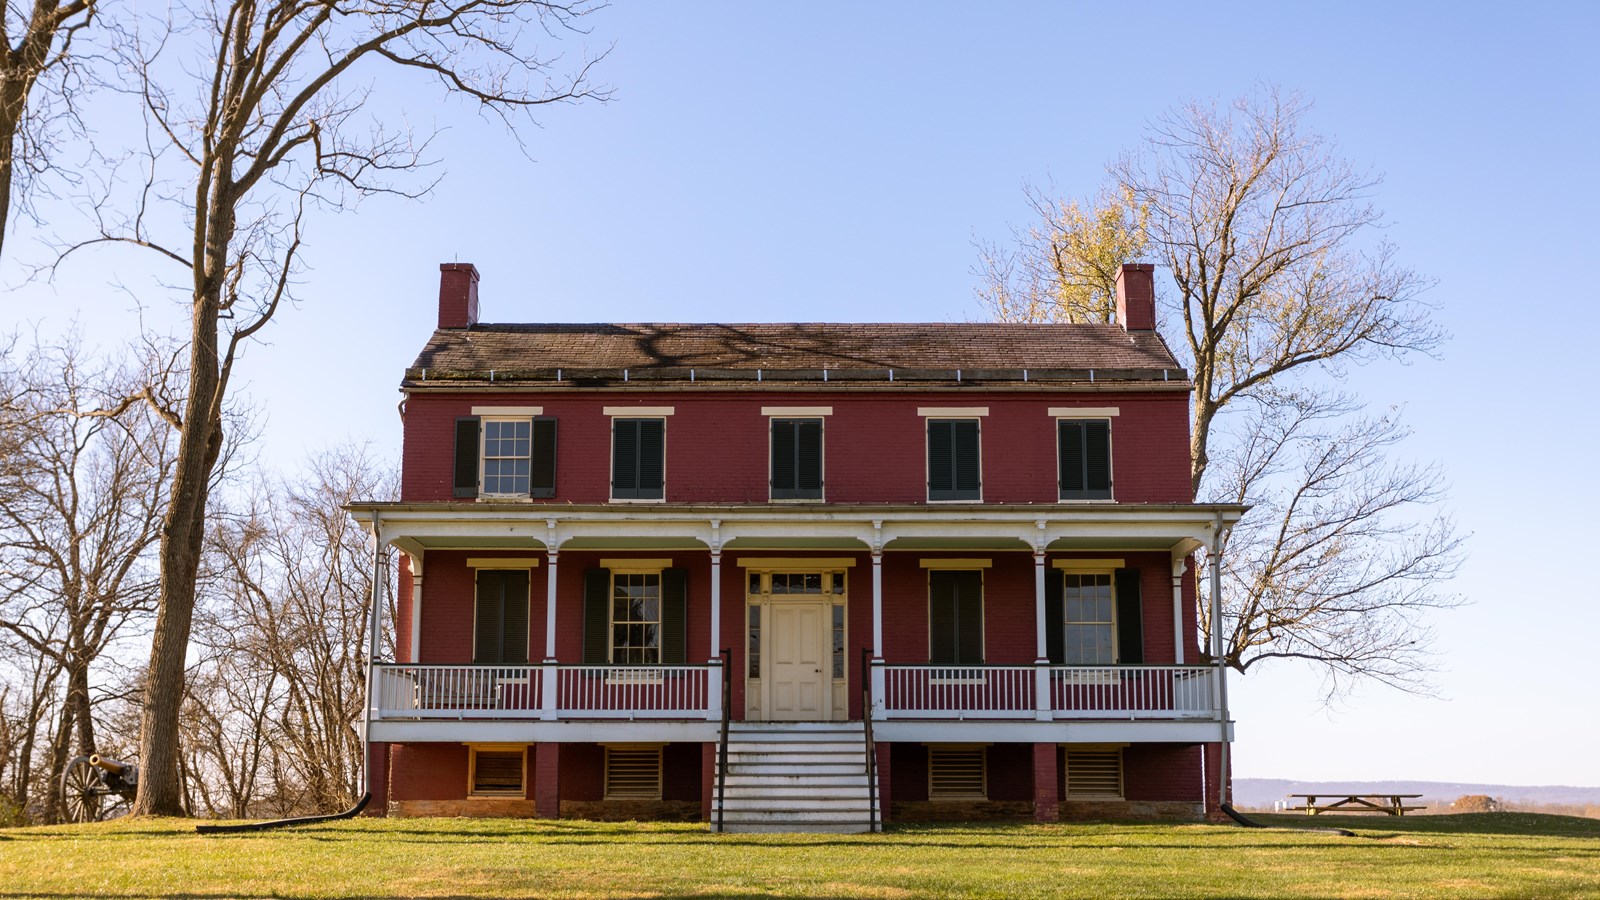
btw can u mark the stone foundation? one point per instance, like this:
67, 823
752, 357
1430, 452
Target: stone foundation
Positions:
637, 810
474, 807
960, 811
1143, 810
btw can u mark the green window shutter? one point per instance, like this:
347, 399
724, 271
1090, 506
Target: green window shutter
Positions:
941, 460
1130, 628
596, 617
1055, 624
652, 458
967, 475
542, 468
488, 614
466, 468
1085, 459
1097, 458
784, 472
969, 618
942, 617
674, 617
625, 459
808, 459
514, 618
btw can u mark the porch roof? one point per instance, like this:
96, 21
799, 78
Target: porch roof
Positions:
418, 527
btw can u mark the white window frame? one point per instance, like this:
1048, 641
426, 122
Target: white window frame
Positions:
651, 672
483, 457
1111, 576
975, 565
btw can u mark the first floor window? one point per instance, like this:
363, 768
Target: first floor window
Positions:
636, 618
1089, 624
500, 629
955, 617
497, 771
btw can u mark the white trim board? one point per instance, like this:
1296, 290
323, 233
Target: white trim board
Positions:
1083, 412
796, 411
508, 411
952, 412
637, 412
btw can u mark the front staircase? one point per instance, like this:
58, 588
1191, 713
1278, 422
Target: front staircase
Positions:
804, 776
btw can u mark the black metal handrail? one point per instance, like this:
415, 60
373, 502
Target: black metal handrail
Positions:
866, 731
727, 713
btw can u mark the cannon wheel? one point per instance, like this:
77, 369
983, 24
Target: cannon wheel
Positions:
85, 798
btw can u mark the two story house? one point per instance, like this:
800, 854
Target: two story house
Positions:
796, 576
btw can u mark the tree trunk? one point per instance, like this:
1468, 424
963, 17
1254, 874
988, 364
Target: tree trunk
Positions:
160, 793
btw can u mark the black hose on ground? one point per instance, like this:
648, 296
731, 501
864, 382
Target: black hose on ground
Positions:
1252, 823
350, 813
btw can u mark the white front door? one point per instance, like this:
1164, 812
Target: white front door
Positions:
798, 677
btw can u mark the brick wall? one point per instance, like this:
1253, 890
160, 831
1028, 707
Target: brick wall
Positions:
874, 444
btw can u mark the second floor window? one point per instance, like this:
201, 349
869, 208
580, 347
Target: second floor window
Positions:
954, 467
505, 457
638, 459
1084, 446
796, 459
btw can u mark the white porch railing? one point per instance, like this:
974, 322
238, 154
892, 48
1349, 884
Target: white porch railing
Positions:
959, 692
518, 692
1076, 692
631, 692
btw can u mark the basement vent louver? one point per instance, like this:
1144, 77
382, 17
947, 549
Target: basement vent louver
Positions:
956, 772
1094, 774
633, 772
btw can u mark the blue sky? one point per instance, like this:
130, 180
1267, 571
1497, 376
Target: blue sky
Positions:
829, 162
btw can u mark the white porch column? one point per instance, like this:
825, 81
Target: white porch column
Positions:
1180, 634
879, 686
550, 673
715, 673
416, 608
1041, 662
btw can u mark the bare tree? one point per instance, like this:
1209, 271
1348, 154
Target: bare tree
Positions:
81, 498
1282, 283
274, 122
36, 43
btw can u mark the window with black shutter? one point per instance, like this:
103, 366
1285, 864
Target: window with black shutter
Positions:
796, 459
505, 457
638, 459
1084, 446
500, 629
954, 466
955, 618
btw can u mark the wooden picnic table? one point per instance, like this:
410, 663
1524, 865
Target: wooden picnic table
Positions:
1335, 802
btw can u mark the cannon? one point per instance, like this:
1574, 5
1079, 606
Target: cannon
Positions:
97, 787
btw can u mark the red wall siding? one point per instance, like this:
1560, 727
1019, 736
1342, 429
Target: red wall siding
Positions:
428, 772
1161, 772
874, 444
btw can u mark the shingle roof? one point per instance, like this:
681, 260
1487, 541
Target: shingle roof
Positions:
528, 352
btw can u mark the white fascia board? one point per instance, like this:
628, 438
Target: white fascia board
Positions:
1194, 731
534, 731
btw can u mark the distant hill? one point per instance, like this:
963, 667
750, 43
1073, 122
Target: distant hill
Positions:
1263, 792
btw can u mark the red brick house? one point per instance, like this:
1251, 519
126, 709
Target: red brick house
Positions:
619, 543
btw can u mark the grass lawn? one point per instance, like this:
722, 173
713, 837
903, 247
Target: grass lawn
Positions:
1491, 854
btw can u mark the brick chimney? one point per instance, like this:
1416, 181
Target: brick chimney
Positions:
1136, 297
458, 295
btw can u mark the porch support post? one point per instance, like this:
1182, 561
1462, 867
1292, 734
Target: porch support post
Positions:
878, 680
416, 608
1046, 781
1223, 767
714, 672
1041, 655
1180, 634
550, 673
